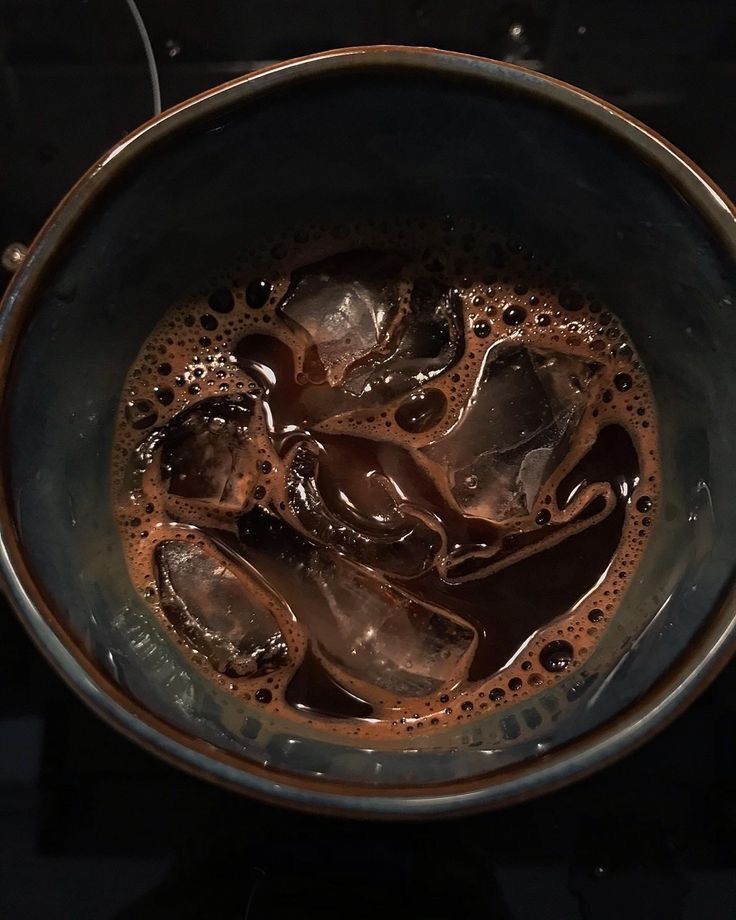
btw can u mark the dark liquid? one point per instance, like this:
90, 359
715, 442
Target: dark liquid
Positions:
409, 484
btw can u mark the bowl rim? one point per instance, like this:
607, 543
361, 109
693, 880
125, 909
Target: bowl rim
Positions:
705, 656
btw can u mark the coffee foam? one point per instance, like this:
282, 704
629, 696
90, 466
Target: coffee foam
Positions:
190, 356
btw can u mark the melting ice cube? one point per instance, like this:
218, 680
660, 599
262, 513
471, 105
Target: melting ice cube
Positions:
207, 456
513, 431
362, 627
224, 616
429, 342
378, 635
346, 304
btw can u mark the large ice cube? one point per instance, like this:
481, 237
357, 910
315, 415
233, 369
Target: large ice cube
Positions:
429, 342
363, 629
207, 456
376, 634
347, 304
224, 616
513, 431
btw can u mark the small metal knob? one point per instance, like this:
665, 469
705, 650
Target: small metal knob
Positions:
13, 256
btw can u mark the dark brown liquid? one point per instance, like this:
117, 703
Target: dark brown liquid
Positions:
387, 482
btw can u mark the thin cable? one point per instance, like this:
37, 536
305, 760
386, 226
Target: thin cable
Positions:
150, 58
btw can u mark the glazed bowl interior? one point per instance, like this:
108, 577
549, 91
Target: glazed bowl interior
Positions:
358, 136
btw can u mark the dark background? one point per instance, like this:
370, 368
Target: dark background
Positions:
91, 826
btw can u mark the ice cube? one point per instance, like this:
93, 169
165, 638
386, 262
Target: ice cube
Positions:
363, 629
347, 305
513, 431
429, 342
376, 634
339, 496
227, 617
207, 456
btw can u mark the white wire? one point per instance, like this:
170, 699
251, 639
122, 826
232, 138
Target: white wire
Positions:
150, 58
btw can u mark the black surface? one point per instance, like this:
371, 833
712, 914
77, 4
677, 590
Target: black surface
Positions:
93, 827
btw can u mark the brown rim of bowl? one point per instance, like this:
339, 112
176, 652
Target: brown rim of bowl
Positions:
708, 652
